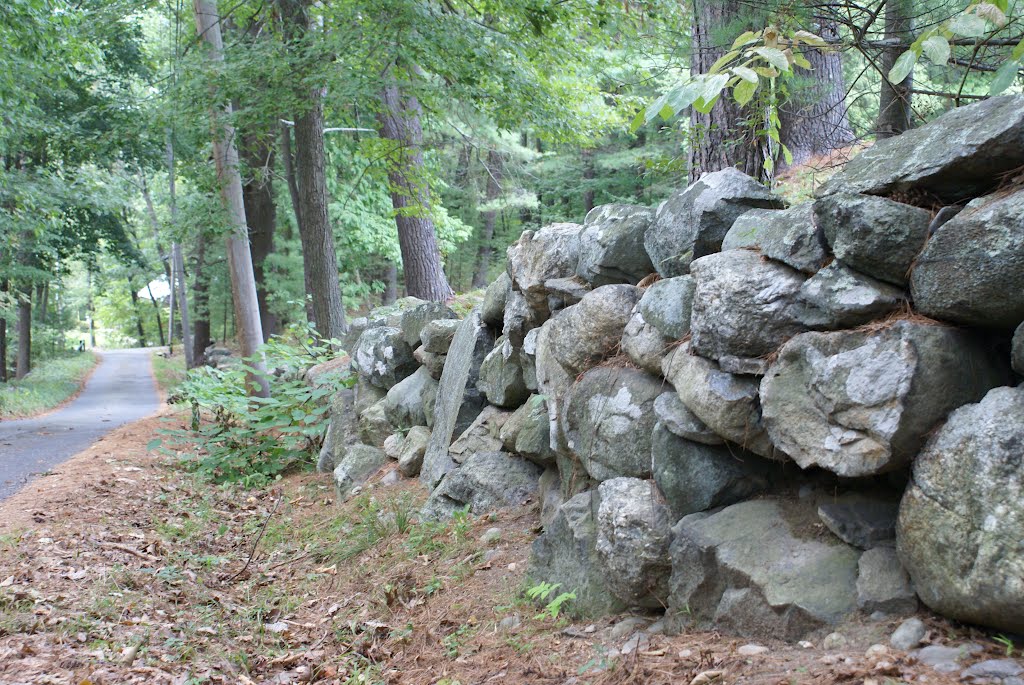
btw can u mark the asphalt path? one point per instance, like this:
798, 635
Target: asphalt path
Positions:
120, 390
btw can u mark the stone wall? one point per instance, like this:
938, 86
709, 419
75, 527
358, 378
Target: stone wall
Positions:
762, 418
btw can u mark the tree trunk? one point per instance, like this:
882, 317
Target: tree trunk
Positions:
159, 315
42, 295
894, 112
261, 214
725, 137
201, 301
293, 192
399, 122
589, 174
319, 258
165, 259
813, 117
138, 314
243, 284
24, 364
494, 169
4, 285
179, 261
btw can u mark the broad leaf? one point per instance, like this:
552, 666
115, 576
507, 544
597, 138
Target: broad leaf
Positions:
904, 65
809, 38
713, 87
746, 74
1018, 52
936, 49
968, 26
774, 57
682, 97
743, 39
801, 61
722, 61
1005, 77
987, 10
743, 92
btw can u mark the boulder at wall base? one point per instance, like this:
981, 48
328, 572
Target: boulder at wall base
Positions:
383, 357
695, 477
633, 536
972, 270
862, 519
374, 427
359, 463
492, 310
501, 376
862, 402
550, 495
403, 404
586, 333
412, 449
666, 304
744, 305
726, 403
790, 236
608, 419
1017, 355
959, 530
485, 482
437, 335
481, 436
844, 298
612, 245
342, 430
367, 394
883, 583
566, 554
693, 222
538, 256
874, 235
644, 344
760, 569
954, 157
461, 370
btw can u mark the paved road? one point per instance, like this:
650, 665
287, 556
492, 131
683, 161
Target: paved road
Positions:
120, 391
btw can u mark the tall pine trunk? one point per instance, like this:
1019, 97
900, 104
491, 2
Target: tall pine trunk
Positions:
4, 286
179, 261
320, 261
726, 136
201, 302
24, 363
399, 122
293, 192
494, 169
243, 284
894, 112
138, 314
813, 118
261, 214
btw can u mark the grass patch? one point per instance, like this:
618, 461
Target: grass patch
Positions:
169, 372
47, 386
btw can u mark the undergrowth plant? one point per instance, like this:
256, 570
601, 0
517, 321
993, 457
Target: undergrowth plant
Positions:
541, 591
237, 438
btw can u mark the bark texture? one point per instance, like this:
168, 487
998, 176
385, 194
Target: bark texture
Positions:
200, 303
399, 122
894, 112
24, 364
261, 214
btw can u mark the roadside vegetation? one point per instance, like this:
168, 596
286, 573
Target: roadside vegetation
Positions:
48, 386
169, 372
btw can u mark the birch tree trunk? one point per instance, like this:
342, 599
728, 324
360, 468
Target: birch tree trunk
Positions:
243, 284
399, 122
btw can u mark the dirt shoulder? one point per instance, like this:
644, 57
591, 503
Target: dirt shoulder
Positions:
122, 568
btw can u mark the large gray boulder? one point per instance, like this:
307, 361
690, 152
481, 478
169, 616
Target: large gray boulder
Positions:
359, 463
501, 376
666, 304
644, 344
954, 157
744, 305
608, 419
527, 432
874, 235
457, 398
972, 270
538, 256
566, 554
726, 403
366, 394
1017, 353
492, 309
839, 297
883, 583
521, 317
437, 335
403, 404
487, 481
411, 451
695, 477
862, 402
633, 537
612, 245
693, 222
383, 357
415, 314
374, 427
790, 236
761, 570
481, 436
342, 431
433, 363
586, 333
960, 523
862, 519
678, 419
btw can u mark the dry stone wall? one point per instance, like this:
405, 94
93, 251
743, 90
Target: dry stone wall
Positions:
763, 419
